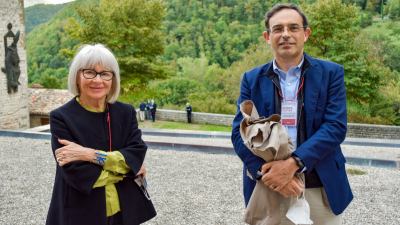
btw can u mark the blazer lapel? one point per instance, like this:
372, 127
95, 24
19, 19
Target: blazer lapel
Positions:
267, 89
312, 87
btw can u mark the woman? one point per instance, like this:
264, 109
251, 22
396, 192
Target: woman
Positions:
98, 147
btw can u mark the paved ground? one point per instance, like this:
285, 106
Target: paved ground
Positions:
187, 187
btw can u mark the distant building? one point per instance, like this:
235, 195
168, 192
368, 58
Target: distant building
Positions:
42, 101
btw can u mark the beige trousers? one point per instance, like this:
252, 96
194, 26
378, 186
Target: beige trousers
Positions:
141, 115
321, 213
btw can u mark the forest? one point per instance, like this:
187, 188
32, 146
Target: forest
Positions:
179, 51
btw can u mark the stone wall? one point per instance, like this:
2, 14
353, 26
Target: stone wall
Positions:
197, 117
373, 131
42, 101
354, 130
14, 113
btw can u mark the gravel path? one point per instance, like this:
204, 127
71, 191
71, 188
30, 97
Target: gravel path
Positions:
186, 187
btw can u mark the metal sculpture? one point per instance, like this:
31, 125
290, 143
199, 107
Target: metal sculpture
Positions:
11, 69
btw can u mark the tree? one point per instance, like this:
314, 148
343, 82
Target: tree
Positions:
384, 34
222, 30
335, 27
336, 36
132, 30
174, 91
393, 9
47, 62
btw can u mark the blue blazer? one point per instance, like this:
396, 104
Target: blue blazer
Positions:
325, 126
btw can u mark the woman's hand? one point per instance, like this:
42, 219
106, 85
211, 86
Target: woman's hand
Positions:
142, 172
71, 152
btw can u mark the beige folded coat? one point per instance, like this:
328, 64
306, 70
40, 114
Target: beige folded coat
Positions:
269, 140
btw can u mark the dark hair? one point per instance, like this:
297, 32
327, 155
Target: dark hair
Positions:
278, 7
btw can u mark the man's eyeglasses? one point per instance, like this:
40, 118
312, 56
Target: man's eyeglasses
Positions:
293, 28
91, 74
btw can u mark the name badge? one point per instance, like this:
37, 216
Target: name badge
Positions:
289, 113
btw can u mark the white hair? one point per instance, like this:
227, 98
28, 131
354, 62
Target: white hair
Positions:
89, 56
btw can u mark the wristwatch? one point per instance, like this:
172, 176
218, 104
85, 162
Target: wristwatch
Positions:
259, 175
299, 163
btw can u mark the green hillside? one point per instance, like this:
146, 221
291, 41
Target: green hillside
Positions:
40, 13
47, 61
207, 45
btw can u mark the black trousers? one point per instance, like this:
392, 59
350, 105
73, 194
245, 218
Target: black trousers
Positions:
115, 219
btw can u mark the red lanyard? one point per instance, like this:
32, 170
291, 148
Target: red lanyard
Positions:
109, 128
298, 90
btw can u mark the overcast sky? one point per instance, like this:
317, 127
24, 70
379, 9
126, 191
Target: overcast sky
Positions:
28, 3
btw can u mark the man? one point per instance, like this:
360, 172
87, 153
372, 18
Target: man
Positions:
310, 96
148, 113
142, 108
153, 110
189, 112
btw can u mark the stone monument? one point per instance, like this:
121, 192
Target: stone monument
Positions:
14, 112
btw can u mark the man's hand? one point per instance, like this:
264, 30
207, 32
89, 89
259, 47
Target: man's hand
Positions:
294, 188
73, 152
277, 174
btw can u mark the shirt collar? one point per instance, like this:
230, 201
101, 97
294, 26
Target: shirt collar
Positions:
282, 74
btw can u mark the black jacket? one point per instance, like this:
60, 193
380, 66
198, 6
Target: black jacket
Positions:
74, 201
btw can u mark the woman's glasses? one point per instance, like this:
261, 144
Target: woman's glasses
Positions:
91, 74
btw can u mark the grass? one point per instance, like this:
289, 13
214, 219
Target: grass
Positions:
183, 126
